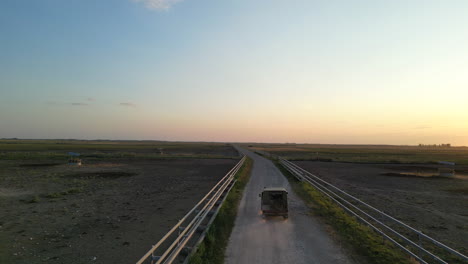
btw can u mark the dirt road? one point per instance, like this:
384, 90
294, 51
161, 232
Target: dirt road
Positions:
299, 239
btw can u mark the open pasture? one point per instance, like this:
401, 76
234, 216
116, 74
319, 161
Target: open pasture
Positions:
435, 205
96, 149
366, 153
109, 210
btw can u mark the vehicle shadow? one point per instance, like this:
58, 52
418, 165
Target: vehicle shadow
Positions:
273, 218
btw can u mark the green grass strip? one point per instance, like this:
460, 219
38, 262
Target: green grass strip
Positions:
212, 249
361, 239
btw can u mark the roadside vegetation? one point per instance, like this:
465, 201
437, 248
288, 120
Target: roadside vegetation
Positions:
359, 238
366, 153
212, 249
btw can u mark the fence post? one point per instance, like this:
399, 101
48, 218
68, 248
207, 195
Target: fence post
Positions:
420, 244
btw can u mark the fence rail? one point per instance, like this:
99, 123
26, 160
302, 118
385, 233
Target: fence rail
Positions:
374, 218
190, 227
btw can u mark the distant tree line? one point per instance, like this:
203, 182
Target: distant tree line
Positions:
448, 145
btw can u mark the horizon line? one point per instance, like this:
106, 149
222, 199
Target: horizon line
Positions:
241, 142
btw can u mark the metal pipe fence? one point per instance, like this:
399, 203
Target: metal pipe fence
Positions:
191, 222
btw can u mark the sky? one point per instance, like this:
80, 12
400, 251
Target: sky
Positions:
304, 71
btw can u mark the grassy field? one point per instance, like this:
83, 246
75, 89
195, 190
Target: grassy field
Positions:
366, 153
52, 211
97, 149
212, 249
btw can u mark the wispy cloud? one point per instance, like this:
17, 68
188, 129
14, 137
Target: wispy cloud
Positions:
157, 4
90, 99
58, 103
127, 104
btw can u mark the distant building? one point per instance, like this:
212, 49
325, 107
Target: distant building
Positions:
74, 160
446, 172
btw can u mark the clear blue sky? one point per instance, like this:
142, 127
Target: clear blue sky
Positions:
391, 72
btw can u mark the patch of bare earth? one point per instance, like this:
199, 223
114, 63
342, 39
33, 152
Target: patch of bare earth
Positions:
436, 205
5, 192
103, 212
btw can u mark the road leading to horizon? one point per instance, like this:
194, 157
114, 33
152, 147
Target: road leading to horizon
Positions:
298, 239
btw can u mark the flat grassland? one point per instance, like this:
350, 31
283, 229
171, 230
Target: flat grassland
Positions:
367, 153
123, 199
98, 149
401, 181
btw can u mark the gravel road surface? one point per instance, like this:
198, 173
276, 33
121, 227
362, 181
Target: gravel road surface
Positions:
298, 239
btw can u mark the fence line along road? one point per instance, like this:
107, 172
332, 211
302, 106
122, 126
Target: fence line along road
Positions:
193, 225
374, 218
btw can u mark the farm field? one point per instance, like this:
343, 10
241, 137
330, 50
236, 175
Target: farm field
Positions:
97, 149
123, 199
435, 205
366, 153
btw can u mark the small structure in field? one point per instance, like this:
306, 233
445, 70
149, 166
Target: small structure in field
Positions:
74, 159
448, 170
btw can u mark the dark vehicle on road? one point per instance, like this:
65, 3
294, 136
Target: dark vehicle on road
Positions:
274, 202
